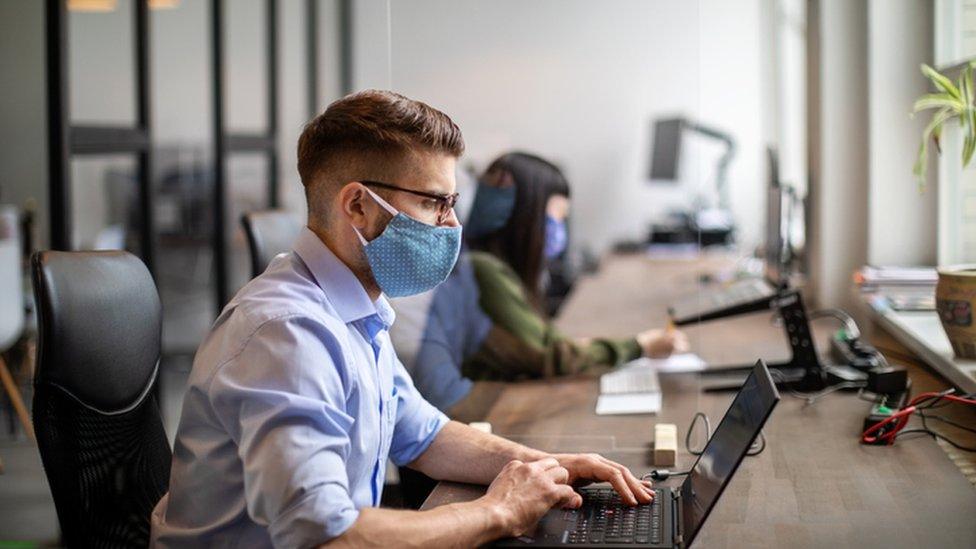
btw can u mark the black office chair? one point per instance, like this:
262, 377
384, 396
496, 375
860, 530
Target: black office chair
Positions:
97, 421
269, 233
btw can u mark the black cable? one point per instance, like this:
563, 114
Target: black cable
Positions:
663, 474
812, 398
841, 315
691, 428
936, 435
948, 422
755, 448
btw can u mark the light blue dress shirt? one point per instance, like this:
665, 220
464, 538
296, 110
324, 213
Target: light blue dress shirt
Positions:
295, 401
437, 330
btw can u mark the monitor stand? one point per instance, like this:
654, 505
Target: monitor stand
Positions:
802, 372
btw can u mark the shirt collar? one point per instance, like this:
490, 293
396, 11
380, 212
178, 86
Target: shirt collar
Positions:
340, 285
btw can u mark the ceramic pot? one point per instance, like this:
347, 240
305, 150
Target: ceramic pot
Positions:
955, 299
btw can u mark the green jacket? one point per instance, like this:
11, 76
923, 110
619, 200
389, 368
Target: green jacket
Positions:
522, 343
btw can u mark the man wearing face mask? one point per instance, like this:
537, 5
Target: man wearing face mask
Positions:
297, 399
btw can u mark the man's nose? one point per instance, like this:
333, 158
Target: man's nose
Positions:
451, 220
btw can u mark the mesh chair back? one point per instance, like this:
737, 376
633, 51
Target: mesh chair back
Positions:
98, 424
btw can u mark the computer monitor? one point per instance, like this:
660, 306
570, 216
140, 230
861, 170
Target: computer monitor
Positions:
666, 151
775, 246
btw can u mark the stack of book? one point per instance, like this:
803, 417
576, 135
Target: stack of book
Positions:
903, 288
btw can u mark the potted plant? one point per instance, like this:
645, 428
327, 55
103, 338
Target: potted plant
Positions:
955, 293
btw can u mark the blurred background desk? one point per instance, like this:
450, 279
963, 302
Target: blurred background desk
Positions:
813, 486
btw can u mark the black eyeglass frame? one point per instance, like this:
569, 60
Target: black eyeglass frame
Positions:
446, 201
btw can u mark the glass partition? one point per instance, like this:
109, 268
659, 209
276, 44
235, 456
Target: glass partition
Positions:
246, 44
102, 72
247, 191
105, 203
183, 194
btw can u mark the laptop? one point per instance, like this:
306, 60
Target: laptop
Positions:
741, 297
675, 517
752, 294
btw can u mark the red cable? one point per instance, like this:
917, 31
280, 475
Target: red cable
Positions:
901, 417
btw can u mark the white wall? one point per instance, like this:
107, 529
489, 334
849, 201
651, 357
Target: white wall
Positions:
839, 158
902, 221
580, 82
23, 108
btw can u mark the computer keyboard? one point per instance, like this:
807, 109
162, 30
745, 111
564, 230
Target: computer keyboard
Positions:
630, 379
604, 518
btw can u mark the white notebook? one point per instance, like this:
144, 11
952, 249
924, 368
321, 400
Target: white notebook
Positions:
631, 389
628, 403
634, 387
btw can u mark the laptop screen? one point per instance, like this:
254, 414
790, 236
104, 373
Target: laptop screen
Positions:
725, 450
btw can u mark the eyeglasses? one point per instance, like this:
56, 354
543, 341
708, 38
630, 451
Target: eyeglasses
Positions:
445, 202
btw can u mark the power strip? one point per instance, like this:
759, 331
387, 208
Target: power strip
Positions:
882, 410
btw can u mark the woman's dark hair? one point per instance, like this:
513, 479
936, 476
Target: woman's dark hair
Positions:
520, 242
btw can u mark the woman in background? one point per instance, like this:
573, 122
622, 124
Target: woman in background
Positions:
517, 224
486, 323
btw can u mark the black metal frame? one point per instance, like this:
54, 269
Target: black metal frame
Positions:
226, 143
312, 45
312, 59
66, 140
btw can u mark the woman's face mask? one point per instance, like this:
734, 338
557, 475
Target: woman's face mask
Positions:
556, 237
491, 209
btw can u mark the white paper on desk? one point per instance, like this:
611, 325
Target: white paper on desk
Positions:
628, 403
674, 364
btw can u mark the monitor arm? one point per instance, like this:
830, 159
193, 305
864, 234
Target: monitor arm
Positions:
721, 183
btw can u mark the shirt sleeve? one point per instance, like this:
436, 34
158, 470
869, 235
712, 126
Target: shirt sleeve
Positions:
417, 423
504, 299
282, 399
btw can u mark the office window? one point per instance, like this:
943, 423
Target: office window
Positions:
955, 44
955, 31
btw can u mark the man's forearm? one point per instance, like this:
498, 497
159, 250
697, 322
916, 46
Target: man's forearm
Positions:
467, 524
463, 454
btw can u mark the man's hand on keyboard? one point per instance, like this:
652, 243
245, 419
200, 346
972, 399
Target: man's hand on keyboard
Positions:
524, 491
586, 468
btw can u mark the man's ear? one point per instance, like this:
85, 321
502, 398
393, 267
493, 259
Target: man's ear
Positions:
351, 204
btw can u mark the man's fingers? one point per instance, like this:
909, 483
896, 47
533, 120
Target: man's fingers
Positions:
545, 464
567, 498
559, 475
642, 493
619, 483
639, 488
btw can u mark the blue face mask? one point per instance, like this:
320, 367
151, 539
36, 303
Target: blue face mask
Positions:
556, 238
410, 257
490, 210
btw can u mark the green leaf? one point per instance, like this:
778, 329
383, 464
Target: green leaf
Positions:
968, 147
938, 101
966, 86
932, 131
940, 81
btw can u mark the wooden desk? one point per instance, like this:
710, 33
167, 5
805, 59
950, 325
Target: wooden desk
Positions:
814, 486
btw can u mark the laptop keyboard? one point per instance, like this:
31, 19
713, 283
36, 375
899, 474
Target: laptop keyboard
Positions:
604, 518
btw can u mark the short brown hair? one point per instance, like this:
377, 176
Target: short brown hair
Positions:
373, 123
